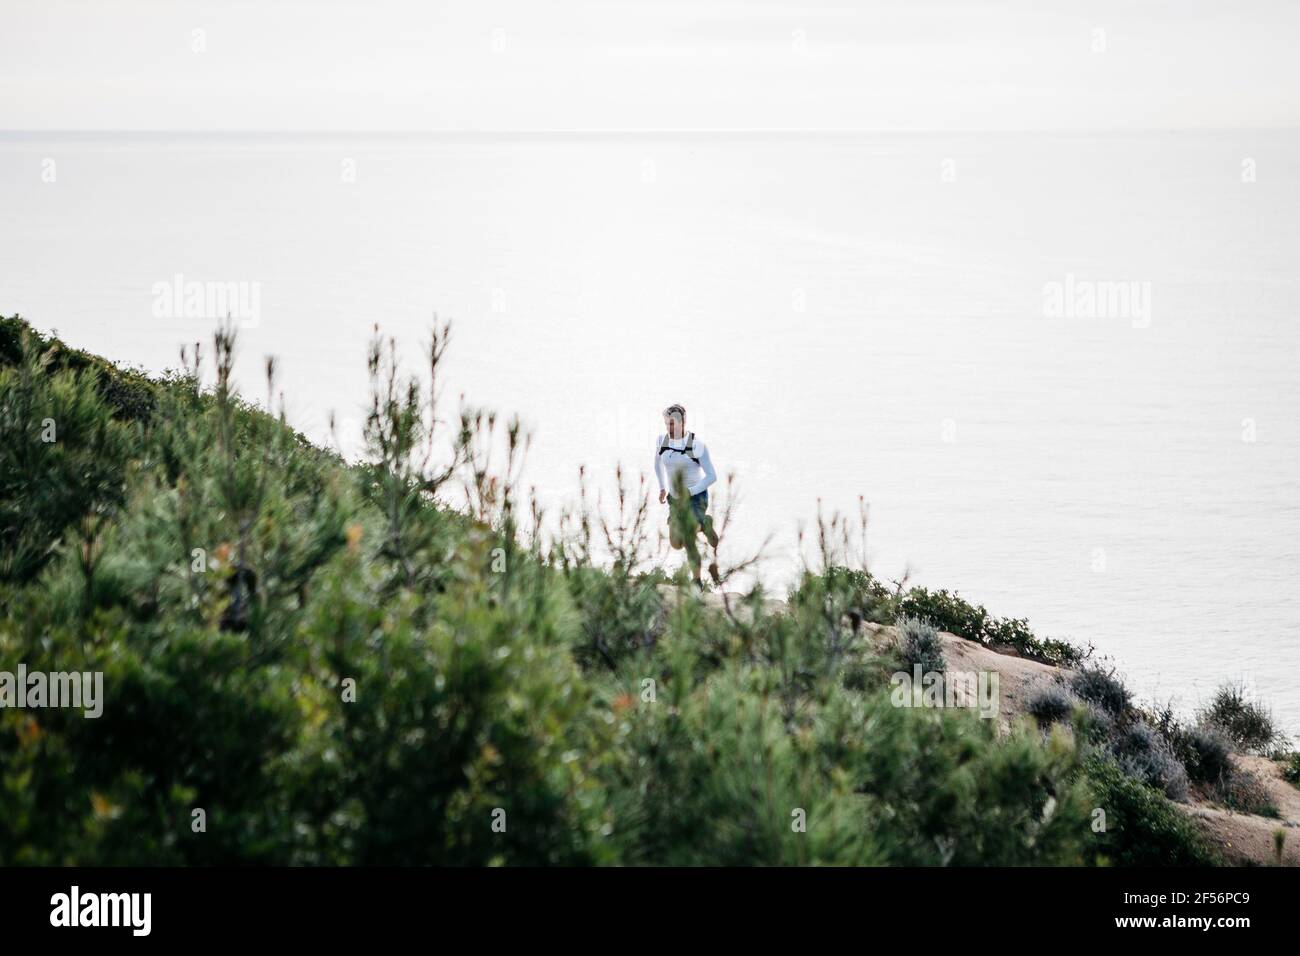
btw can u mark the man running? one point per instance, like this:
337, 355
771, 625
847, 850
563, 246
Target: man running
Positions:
685, 472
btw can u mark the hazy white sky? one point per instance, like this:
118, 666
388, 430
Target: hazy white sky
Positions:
510, 65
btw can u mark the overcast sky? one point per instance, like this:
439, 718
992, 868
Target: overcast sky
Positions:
534, 64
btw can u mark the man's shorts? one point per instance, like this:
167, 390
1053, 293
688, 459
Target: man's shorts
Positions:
699, 506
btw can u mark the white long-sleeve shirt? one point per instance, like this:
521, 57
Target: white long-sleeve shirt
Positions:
671, 463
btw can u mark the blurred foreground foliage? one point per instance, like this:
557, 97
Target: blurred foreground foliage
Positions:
389, 661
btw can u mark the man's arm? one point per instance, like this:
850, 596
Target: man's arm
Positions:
659, 464
710, 476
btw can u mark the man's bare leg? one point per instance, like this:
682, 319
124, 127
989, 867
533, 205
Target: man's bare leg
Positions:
709, 532
712, 537
693, 555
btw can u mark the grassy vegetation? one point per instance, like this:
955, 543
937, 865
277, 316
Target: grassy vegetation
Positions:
1246, 722
1142, 828
1151, 747
1291, 768
338, 666
954, 614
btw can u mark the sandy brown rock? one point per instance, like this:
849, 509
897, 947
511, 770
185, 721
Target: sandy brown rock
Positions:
1247, 839
1016, 675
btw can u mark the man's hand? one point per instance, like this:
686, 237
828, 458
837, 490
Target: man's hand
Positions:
663, 496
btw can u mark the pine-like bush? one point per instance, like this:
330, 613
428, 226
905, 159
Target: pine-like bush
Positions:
307, 661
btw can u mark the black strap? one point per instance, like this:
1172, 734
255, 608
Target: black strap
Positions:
688, 450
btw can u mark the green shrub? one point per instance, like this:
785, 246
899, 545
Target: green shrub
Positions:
63, 470
1291, 768
621, 615
943, 789
1142, 828
478, 718
862, 674
1100, 686
1204, 750
1049, 702
838, 602
921, 645
948, 612
337, 667
711, 776
1205, 754
1247, 722
952, 613
865, 597
1142, 753
714, 777
1095, 725
129, 394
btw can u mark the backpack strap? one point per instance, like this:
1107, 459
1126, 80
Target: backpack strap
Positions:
688, 451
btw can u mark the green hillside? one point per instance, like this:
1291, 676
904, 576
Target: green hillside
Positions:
307, 661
